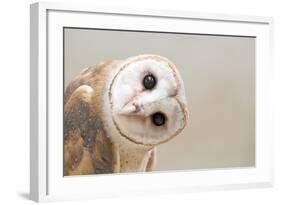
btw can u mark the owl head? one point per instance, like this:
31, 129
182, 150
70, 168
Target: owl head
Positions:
147, 100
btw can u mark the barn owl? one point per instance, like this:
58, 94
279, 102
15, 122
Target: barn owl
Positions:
116, 113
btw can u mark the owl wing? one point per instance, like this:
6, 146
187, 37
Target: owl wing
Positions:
86, 148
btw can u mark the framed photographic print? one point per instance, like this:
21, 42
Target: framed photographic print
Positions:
127, 102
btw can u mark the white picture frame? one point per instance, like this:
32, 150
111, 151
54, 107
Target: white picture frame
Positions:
46, 177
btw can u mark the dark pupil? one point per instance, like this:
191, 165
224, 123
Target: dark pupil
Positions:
149, 81
158, 119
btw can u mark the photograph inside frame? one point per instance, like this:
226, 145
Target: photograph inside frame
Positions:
141, 101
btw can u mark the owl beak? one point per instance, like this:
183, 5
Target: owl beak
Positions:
132, 109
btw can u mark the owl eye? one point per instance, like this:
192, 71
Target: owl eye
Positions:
149, 81
158, 119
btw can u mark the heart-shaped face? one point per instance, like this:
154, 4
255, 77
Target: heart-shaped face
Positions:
147, 100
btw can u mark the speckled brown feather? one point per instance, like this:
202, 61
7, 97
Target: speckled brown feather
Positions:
87, 150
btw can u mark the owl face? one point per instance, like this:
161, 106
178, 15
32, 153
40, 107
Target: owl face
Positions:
147, 100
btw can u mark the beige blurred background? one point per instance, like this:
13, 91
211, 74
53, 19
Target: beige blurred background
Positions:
219, 77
